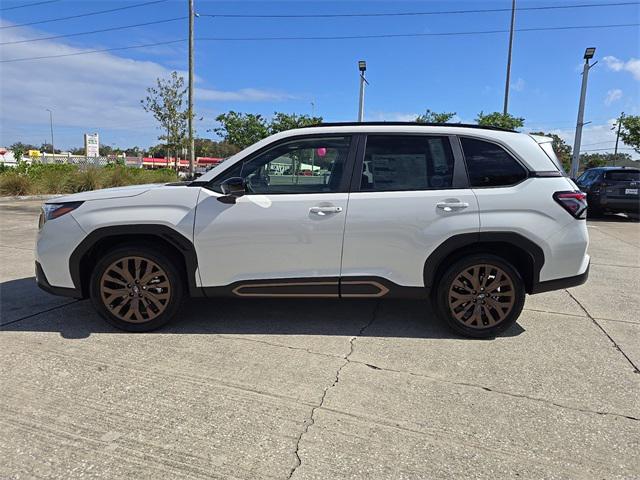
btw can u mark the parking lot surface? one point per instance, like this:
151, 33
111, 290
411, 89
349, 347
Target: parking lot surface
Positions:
320, 389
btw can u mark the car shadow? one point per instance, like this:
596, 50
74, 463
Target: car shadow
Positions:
75, 319
614, 218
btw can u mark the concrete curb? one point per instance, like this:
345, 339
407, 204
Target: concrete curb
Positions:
30, 197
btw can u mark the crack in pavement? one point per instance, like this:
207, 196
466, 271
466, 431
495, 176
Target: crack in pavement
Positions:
615, 344
40, 313
311, 419
500, 392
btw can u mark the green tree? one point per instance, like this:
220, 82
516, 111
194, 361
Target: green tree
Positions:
593, 160
287, 121
501, 120
562, 149
435, 117
19, 149
166, 102
241, 129
205, 147
630, 130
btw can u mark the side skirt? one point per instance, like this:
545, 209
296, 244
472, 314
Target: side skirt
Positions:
319, 287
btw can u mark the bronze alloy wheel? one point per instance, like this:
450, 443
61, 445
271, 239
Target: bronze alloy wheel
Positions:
135, 289
481, 296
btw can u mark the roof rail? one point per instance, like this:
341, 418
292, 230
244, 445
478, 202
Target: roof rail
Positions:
364, 124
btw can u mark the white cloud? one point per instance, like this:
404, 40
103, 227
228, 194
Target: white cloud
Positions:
391, 116
613, 96
632, 65
89, 92
519, 85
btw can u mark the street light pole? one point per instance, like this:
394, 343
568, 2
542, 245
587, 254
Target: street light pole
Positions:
575, 161
53, 151
190, 107
362, 66
615, 151
506, 86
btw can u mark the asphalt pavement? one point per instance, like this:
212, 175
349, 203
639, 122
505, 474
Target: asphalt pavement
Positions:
312, 389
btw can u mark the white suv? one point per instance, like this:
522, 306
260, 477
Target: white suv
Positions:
472, 218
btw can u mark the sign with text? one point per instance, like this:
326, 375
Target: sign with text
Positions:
91, 145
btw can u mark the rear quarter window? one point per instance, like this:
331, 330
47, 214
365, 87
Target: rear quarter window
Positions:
490, 165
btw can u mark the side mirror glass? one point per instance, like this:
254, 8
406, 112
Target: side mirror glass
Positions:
232, 188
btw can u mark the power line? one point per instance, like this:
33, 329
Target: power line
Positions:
111, 29
605, 149
346, 37
409, 14
70, 17
404, 35
27, 5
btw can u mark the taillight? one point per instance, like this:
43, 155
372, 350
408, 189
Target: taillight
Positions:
573, 202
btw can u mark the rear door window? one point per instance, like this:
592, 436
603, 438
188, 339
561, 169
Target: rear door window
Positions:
490, 165
407, 162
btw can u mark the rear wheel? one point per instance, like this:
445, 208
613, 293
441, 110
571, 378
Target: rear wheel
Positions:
480, 296
136, 289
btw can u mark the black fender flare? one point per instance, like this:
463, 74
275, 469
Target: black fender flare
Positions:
181, 243
464, 240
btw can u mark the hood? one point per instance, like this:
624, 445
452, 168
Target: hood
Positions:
116, 192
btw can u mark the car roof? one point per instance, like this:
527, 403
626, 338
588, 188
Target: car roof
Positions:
608, 169
413, 124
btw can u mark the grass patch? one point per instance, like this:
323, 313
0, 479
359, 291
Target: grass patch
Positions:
44, 179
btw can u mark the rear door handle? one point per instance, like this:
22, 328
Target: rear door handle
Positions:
452, 206
325, 210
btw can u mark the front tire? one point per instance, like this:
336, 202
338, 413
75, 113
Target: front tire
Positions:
480, 296
136, 289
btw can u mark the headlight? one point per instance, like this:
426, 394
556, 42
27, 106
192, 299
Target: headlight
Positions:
55, 210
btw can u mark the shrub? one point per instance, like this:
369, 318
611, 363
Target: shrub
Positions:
117, 176
13, 183
86, 179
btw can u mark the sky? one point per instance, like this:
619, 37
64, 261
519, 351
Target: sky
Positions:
101, 92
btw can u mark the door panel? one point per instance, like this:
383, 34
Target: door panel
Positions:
409, 196
391, 234
269, 236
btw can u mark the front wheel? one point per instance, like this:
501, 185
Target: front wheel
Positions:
136, 289
480, 296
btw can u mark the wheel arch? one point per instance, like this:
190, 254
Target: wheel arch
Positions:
525, 255
103, 239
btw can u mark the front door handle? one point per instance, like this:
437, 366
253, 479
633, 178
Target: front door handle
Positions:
452, 206
325, 210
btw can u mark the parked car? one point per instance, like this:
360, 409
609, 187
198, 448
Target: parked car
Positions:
611, 189
472, 218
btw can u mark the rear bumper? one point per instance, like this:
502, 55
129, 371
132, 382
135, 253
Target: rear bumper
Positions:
560, 283
44, 284
621, 204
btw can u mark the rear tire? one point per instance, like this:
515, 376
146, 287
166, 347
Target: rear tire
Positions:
480, 296
136, 289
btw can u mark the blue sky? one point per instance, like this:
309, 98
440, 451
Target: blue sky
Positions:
464, 74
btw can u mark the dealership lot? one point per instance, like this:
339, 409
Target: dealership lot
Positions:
321, 389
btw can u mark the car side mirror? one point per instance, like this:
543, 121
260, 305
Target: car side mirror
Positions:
233, 188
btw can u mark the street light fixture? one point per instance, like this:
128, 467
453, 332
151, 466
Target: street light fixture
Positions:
589, 53
362, 66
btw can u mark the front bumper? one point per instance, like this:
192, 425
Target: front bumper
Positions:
44, 284
561, 283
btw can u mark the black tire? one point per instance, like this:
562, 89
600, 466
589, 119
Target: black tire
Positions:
495, 269
156, 301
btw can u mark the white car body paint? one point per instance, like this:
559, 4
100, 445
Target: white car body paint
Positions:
381, 234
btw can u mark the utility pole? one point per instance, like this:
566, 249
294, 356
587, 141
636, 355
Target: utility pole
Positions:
575, 161
362, 66
505, 108
190, 107
615, 151
53, 151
